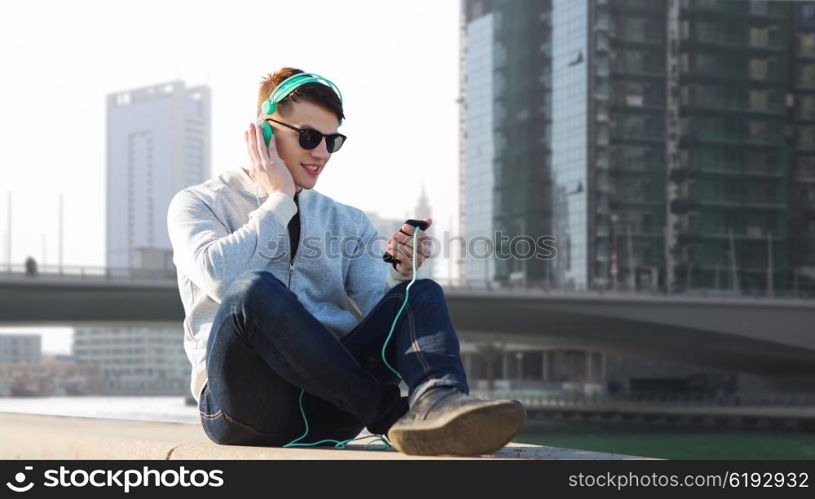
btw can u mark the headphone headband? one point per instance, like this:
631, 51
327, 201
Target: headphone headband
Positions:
288, 85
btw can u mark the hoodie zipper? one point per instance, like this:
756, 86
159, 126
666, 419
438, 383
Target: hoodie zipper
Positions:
292, 251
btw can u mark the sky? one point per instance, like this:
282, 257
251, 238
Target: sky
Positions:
396, 64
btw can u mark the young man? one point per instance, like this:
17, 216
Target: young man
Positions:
269, 272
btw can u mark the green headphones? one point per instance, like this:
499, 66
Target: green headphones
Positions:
286, 87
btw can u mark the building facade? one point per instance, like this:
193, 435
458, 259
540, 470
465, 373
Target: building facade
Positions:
669, 141
134, 361
158, 142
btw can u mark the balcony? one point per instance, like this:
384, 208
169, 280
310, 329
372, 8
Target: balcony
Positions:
722, 40
758, 13
710, 168
711, 72
722, 138
647, 136
642, 38
730, 105
637, 70
621, 167
701, 196
619, 202
637, 103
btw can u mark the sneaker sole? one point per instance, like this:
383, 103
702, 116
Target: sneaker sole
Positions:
481, 429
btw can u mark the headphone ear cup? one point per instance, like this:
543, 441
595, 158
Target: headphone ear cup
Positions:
267, 132
268, 107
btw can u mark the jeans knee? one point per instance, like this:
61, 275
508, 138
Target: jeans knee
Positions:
426, 291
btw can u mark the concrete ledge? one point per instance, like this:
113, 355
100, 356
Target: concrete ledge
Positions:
28, 436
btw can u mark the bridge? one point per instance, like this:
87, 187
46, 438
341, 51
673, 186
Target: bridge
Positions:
757, 335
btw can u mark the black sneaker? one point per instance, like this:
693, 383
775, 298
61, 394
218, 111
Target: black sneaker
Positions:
445, 421
398, 407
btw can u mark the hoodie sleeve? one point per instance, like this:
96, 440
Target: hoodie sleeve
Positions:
369, 276
211, 256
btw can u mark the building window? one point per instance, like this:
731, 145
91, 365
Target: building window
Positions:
807, 76
806, 43
758, 100
758, 69
759, 37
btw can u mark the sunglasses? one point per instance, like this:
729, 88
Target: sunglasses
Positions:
311, 138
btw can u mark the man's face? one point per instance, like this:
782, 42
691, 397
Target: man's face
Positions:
303, 115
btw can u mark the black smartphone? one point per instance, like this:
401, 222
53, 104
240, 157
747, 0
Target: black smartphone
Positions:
421, 224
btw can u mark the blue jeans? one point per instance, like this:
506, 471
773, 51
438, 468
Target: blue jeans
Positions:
264, 346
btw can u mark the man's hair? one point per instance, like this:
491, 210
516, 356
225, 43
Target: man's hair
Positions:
317, 93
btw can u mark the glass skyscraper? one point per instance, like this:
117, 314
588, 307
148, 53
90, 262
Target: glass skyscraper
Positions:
666, 144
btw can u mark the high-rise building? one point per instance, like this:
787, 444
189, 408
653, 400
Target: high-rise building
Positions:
665, 143
802, 173
506, 107
158, 142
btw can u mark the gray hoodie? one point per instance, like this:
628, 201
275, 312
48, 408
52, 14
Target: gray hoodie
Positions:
218, 232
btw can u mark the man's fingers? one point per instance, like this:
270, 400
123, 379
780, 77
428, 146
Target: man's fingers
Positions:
403, 239
408, 241
253, 155
400, 252
405, 253
404, 248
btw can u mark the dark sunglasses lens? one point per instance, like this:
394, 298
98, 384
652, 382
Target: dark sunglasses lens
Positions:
310, 139
334, 142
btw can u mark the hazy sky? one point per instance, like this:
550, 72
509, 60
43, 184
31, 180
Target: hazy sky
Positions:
396, 64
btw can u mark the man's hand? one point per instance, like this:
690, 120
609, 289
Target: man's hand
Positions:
400, 245
267, 170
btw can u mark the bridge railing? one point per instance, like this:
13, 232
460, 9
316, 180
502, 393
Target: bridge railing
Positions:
85, 272
544, 399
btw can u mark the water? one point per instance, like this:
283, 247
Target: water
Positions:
165, 408
639, 440
673, 443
